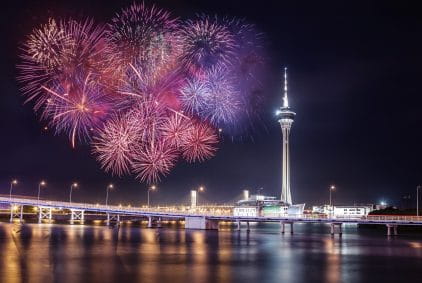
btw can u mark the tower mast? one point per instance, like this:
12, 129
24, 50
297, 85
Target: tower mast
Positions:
285, 118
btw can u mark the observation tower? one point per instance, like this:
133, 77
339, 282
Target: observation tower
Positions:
285, 118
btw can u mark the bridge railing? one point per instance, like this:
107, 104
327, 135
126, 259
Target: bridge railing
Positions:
393, 217
185, 210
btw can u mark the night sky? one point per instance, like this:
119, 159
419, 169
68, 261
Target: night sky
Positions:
354, 81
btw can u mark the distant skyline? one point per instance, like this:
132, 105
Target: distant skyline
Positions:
353, 82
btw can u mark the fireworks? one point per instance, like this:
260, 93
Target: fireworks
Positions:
200, 143
77, 110
175, 129
143, 34
154, 160
206, 44
114, 145
146, 89
194, 96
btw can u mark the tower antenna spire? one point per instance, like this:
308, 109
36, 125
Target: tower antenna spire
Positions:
285, 99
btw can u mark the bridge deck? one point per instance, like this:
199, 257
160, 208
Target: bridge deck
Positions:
216, 214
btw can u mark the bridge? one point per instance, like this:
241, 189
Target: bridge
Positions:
194, 218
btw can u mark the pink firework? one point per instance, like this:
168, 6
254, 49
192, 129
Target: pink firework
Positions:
153, 161
114, 145
149, 115
42, 56
76, 111
200, 143
176, 129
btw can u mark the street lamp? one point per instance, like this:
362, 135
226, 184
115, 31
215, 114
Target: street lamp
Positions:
109, 187
74, 185
151, 188
13, 182
40, 184
332, 188
417, 199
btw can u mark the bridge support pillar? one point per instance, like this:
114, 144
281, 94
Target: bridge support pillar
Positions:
247, 227
21, 215
111, 217
283, 227
149, 222
333, 228
44, 213
238, 225
16, 212
159, 222
77, 215
200, 222
394, 226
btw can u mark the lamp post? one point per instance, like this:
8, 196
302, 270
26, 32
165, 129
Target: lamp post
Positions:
13, 182
109, 187
201, 189
74, 185
151, 188
332, 188
40, 184
417, 199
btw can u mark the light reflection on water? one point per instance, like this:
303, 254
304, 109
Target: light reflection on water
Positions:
65, 253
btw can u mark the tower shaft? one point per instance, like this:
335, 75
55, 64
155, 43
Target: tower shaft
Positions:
286, 195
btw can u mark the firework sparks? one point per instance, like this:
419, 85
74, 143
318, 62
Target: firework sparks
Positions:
223, 101
76, 112
175, 129
144, 34
194, 96
145, 89
200, 143
113, 146
207, 44
153, 161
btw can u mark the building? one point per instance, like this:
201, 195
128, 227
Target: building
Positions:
260, 205
343, 211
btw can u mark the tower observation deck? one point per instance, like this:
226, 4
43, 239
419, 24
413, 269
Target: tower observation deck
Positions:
285, 118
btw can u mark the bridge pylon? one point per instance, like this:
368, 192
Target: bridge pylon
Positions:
16, 211
45, 213
77, 215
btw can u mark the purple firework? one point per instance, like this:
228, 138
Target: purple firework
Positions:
206, 44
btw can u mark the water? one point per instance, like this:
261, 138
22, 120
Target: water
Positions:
65, 253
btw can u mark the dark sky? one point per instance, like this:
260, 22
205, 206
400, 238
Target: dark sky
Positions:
354, 78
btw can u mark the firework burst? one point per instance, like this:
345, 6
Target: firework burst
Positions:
153, 161
207, 43
201, 141
144, 34
194, 96
76, 111
176, 129
145, 89
114, 145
